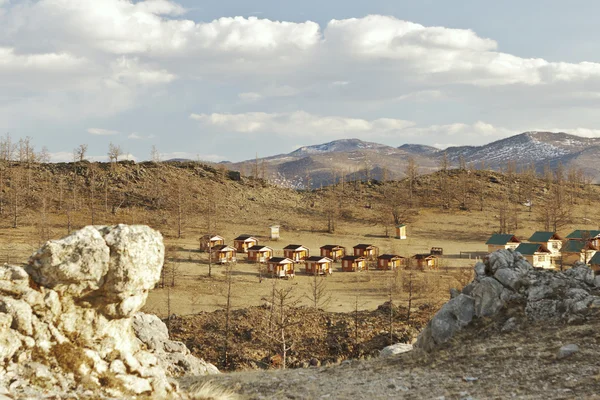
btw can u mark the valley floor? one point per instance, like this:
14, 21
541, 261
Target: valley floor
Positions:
480, 363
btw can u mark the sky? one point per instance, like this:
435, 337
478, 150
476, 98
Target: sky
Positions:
232, 80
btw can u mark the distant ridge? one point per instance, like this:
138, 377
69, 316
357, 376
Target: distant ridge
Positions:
323, 164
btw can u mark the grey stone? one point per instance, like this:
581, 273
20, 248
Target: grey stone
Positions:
480, 269
487, 294
454, 292
510, 325
509, 278
567, 351
454, 315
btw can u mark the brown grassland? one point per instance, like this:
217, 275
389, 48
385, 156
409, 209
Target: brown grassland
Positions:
453, 209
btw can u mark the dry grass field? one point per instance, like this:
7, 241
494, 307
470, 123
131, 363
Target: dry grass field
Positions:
164, 195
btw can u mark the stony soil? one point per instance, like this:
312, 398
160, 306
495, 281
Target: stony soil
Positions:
316, 336
479, 363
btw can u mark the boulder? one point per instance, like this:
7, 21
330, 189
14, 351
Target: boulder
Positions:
74, 329
505, 278
394, 349
454, 315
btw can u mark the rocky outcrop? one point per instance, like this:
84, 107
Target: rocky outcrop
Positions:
506, 278
68, 320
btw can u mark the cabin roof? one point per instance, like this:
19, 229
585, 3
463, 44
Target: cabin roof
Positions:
529, 249
400, 225
423, 256
222, 247
280, 260
502, 239
295, 247
258, 247
583, 234
319, 259
353, 258
577, 246
595, 260
212, 237
332, 247
363, 246
389, 256
245, 237
540, 237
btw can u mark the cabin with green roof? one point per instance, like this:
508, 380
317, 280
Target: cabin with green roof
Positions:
501, 241
586, 235
578, 250
595, 263
536, 254
551, 240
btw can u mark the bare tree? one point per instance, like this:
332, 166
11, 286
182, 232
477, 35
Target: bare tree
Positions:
227, 310
282, 303
154, 155
80, 151
319, 294
411, 179
114, 152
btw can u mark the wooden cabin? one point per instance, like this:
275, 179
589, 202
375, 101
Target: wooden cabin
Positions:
208, 241
500, 241
281, 267
595, 263
333, 251
222, 254
577, 250
317, 265
390, 262
243, 242
426, 261
401, 231
552, 241
354, 263
368, 251
260, 253
296, 252
536, 254
586, 235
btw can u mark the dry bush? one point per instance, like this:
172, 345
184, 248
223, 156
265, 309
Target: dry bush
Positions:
210, 391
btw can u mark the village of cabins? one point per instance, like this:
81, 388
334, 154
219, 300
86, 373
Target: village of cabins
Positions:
546, 250
295, 254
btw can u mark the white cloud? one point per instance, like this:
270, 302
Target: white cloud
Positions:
585, 132
47, 62
134, 136
102, 132
300, 123
421, 96
250, 96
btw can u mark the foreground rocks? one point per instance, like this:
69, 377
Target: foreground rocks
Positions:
506, 278
67, 320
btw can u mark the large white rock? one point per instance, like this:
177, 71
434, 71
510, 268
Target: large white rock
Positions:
74, 265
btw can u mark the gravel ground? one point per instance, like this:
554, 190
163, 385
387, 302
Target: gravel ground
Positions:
480, 363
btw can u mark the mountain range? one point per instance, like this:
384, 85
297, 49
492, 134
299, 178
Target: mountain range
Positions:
323, 164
